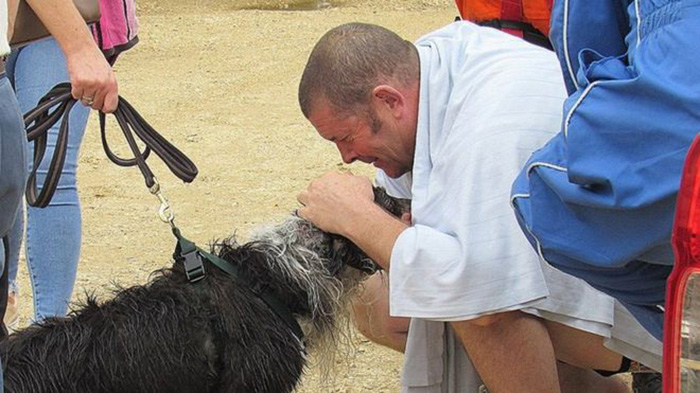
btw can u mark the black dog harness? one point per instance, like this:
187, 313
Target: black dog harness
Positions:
57, 103
193, 257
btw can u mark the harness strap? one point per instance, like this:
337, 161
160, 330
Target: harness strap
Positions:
193, 259
58, 103
188, 252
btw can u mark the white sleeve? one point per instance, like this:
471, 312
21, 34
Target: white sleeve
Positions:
398, 188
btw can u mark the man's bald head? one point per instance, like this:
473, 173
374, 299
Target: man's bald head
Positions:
349, 61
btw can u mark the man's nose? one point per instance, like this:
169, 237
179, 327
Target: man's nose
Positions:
346, 152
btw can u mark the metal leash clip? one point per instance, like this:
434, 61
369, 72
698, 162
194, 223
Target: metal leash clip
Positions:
164, 212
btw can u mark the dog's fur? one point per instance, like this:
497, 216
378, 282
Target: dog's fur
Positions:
212, 336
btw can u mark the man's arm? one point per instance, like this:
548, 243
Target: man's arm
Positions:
344, 204
90, 75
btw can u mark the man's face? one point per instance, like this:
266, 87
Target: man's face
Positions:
370, 138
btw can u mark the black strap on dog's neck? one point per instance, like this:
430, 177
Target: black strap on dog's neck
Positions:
193, 258
40, 119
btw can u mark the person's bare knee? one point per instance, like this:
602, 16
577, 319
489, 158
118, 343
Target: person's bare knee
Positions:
372, 319
511, 352
582, 349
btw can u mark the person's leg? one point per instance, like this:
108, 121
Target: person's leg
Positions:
529, 351
372, 318
53, 233
14, 238
511, 351
578, 380
581, 349
12, 169
515, 351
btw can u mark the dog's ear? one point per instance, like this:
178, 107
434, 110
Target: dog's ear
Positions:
396, 206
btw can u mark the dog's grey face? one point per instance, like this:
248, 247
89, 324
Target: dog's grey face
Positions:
332, 251
314, 273
339, 252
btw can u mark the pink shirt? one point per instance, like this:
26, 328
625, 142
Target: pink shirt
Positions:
118, 26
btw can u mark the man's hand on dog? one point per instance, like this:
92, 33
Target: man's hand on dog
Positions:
344, 204
333, 200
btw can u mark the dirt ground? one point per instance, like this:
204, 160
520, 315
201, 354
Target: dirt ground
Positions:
219, 79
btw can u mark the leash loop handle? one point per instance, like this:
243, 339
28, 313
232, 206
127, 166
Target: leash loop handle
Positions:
37, 122
57, 104
131, 122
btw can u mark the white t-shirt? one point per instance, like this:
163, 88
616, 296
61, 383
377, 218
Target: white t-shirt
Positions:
487, 101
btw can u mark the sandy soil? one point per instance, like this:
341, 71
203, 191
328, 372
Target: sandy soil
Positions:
219, 78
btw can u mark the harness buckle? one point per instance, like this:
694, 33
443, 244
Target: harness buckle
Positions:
194, 266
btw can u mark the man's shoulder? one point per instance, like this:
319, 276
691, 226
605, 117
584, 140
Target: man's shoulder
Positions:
483, 52
448, 31
467, 32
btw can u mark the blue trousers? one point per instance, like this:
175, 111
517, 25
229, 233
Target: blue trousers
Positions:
12, 156
53, 234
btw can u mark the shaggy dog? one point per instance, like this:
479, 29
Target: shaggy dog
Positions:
216, 335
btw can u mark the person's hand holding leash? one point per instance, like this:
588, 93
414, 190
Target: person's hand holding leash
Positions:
92, 79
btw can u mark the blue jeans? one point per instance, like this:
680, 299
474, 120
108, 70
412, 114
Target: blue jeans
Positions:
12, 171
53, 234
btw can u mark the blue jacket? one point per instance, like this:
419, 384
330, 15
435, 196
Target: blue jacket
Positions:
598, 200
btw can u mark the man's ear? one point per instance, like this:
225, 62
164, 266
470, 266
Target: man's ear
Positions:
388, 97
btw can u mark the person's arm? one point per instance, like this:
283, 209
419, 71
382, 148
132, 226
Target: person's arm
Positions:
91, 76
344, 204
12, 7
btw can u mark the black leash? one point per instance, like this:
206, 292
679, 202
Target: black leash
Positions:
58, 103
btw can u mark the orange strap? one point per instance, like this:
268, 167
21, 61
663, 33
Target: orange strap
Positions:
535, 12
